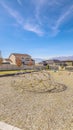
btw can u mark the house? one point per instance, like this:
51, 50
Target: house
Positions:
68, 62
6, 61
25, 59
51, 62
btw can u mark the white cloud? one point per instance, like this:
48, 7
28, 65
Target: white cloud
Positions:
54, 3
19, 2
20, 20
33, 28
39, 2
41, 5
13, 13
55, 20
62, 18
45, 11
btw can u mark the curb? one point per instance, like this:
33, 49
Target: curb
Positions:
5, 126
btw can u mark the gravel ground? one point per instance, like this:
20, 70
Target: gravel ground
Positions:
25, 107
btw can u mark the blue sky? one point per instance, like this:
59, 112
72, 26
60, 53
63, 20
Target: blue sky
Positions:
41, 28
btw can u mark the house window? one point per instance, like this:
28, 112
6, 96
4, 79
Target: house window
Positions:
27, 59
23, 60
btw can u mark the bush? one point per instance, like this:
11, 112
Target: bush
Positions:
47, 67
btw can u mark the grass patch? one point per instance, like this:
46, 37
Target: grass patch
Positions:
14, 71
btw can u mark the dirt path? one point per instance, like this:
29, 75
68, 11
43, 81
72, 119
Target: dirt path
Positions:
37, 111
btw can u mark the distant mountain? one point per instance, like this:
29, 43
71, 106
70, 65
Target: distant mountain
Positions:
63, 58
38, 60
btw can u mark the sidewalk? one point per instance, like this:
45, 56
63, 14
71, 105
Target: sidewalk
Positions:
5, 126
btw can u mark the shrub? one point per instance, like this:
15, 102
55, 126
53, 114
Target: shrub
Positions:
47, 67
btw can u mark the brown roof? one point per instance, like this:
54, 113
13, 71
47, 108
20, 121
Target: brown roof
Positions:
52, 61
18, 54
8, 60
32, 60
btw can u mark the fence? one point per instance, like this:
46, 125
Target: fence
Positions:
14, 67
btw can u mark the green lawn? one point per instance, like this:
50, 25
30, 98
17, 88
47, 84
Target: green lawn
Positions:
13, 71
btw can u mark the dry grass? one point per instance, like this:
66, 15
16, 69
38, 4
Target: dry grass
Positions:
34, 110
39, 82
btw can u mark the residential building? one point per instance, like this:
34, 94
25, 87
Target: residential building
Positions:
6, 61
51, 62
68, 62
24, 58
